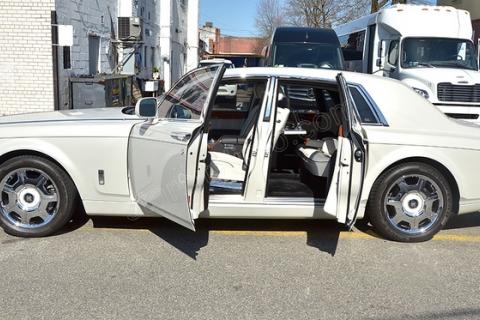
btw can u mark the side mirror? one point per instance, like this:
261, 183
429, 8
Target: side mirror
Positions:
146, 108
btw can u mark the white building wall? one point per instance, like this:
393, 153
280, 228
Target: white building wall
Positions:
149, 12
192, 35
26, 67
89, 18
178, 38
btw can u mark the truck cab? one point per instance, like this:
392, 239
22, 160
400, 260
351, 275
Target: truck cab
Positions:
429, 48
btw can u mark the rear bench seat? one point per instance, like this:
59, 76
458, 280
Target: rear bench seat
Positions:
316, 155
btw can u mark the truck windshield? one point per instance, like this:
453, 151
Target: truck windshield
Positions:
308, 55
438, 53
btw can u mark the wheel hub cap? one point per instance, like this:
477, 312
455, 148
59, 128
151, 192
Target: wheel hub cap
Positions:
28, 198
413, 204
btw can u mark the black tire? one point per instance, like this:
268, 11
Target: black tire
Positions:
378, 215
66, 193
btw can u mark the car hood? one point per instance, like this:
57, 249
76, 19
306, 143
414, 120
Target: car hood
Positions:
102, 114
430, 77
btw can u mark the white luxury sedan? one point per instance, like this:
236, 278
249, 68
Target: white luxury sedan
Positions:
293, 143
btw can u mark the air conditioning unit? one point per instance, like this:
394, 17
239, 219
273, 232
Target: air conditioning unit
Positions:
129, 28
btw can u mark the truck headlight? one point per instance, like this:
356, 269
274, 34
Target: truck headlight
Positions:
421, 92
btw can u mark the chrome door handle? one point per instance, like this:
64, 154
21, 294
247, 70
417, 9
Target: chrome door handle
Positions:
181, 136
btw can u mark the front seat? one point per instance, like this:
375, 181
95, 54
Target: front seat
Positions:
232, 144
225, 166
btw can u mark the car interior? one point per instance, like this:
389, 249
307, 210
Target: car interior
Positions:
303, 159
304, 141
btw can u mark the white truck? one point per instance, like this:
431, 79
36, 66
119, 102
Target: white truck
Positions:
429, 48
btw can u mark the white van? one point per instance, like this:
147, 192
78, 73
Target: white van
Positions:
429, 48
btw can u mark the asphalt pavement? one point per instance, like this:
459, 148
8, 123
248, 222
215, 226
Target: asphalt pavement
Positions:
112, 268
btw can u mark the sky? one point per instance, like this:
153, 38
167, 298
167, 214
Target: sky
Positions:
236, 17
233, 17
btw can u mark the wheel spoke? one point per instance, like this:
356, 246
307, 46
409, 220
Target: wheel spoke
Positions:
414, 222
399, 214
40, 183
428, 213
420, 185
22, 176
24, 216
42, 212
12, 198
48, 198
404, 186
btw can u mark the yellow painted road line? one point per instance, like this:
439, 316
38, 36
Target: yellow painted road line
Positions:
456, 237
327, 234
341, 235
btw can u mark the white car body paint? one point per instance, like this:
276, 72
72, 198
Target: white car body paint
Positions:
86, 141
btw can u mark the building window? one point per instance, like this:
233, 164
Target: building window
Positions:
145, 53
67, 63
93, 54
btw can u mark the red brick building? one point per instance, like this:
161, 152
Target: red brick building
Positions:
242, 51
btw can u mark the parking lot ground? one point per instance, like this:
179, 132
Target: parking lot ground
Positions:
239, 269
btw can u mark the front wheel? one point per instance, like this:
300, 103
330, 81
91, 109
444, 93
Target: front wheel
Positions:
410, 203
37, 197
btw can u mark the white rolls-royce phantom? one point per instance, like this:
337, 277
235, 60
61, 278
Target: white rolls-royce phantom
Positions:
293, 143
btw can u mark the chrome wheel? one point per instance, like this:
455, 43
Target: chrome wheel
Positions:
413, 204
29, 198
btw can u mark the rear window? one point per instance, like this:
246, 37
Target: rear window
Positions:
364, 109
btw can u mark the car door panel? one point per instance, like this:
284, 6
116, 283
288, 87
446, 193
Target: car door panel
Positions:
350, 166
158, 176
167, 157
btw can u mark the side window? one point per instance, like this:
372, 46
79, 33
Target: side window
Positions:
239, 95
188, 97
363, 106
353, 45
393, 52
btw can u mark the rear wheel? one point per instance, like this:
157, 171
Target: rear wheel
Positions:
410, 202
37, 197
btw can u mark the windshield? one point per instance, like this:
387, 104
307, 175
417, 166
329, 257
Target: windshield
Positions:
308, 55
438, 52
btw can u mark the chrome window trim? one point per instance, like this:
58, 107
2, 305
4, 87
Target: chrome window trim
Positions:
271, 92
380, 118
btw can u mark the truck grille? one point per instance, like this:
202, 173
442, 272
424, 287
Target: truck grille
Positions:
458, 93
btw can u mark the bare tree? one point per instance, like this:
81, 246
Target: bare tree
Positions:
269, 16
378, 4
324, 13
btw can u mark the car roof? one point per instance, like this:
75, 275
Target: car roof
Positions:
400, 105
302, 34
297, 73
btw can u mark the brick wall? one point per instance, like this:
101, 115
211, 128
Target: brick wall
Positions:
26, 69
239, 45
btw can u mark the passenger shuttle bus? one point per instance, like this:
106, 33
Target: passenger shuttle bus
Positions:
429, 48
304, 48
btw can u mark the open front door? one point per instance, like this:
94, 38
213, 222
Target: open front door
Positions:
350, 167
168, 155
